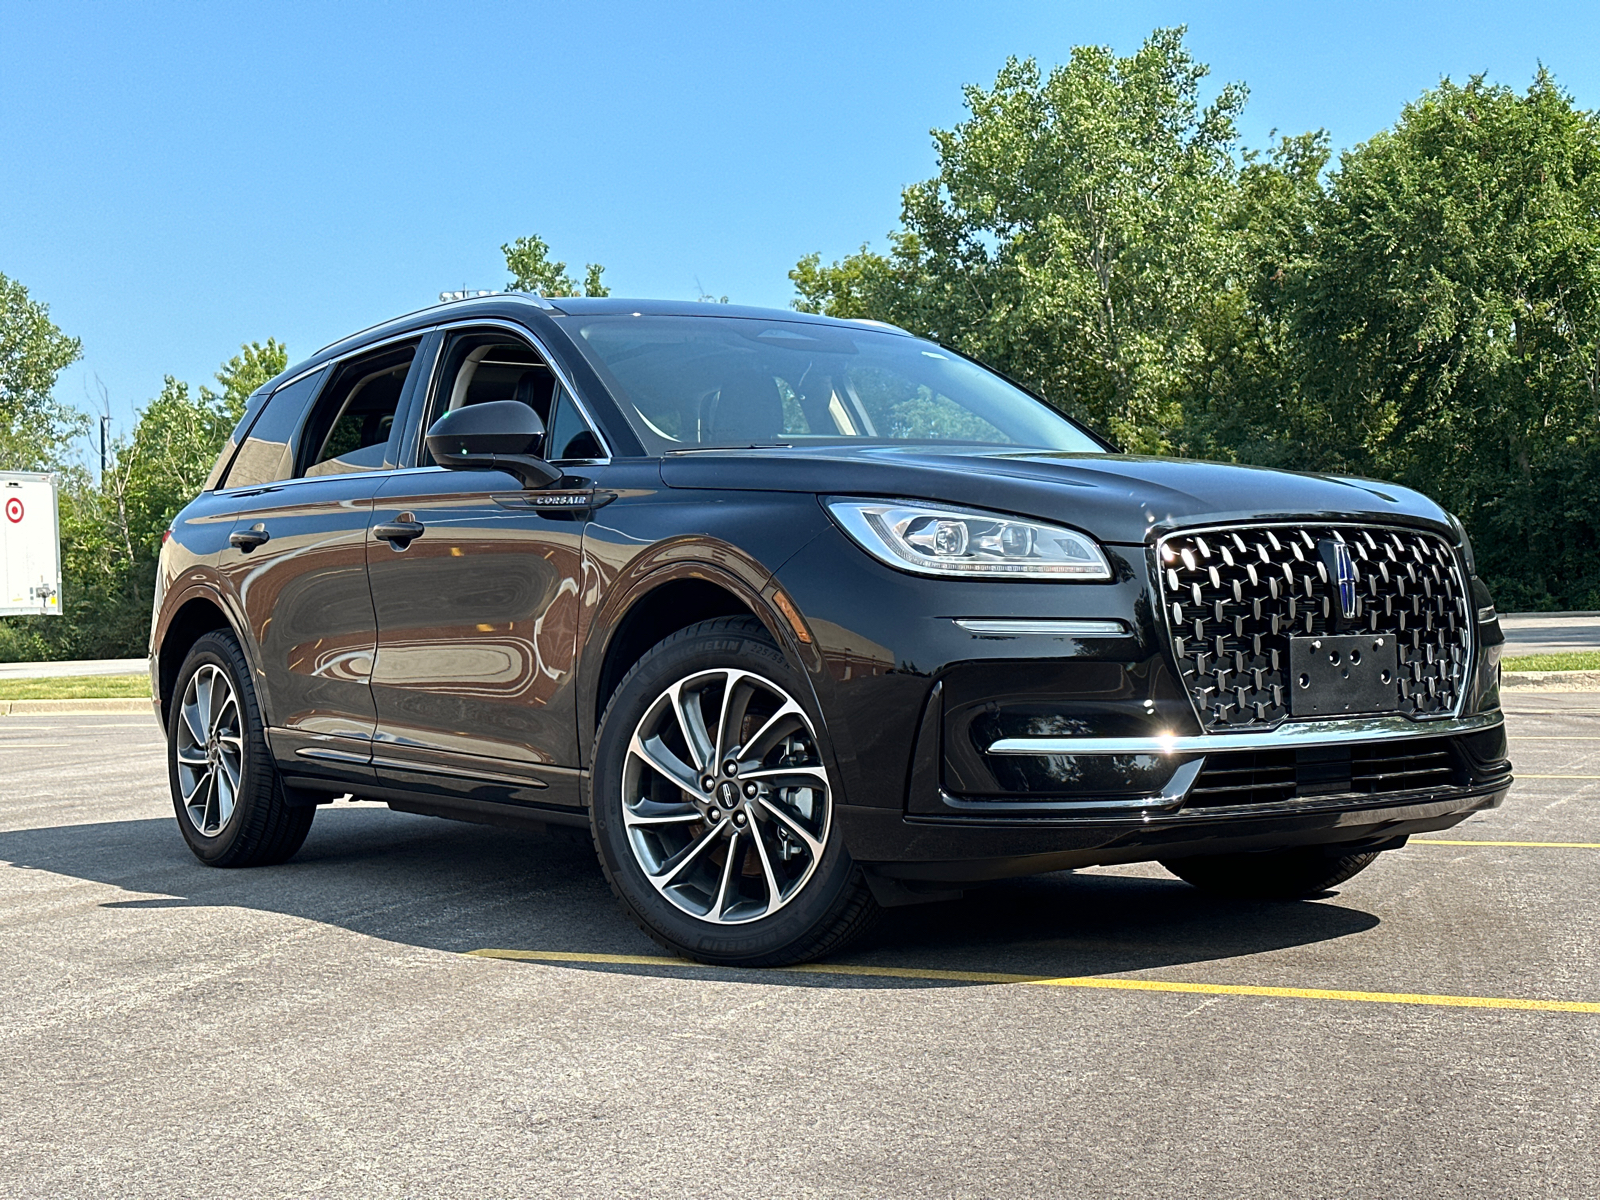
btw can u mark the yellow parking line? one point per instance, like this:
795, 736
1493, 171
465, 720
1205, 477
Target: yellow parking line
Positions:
1475, 842
936, 975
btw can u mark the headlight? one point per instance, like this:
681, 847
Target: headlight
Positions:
1466, 543
934, 540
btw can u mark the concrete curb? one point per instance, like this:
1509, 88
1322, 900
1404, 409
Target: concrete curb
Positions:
39, 708
1550, 681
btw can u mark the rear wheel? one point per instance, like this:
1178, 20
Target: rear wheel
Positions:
1273, 875
713, 805
232, 808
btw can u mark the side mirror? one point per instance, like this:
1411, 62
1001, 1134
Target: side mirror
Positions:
497, 435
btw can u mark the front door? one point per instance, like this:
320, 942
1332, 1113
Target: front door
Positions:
476, 592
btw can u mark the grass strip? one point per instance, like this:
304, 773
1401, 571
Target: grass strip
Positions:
1574, 660
77, 687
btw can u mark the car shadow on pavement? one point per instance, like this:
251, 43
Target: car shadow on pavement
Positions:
453, 887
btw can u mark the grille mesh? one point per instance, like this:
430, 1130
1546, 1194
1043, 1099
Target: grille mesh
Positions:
1234, 597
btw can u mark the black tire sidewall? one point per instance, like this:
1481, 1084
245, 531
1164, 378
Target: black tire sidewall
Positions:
256, 777
820, 900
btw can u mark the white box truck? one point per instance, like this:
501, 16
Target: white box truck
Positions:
30, 545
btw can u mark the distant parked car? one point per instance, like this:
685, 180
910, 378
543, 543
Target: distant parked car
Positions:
801, 617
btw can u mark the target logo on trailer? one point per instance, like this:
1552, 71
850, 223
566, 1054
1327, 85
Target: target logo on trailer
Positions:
14, 510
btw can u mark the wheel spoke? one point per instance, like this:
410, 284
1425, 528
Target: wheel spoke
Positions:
692, 724
210, 804
655, 753
775, 811
189, 756
677, 865
230, 769
737, 693
191, 718
225, 793
682, 816
220, 720
200, 780
204, 678
774, 896
720, 904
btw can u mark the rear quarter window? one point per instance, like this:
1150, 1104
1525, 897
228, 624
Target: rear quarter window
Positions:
267, 454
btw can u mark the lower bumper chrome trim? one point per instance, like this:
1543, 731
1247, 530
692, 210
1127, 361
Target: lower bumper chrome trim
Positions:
1018, 627
1286, 736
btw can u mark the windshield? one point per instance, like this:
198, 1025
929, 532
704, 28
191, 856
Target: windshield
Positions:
691, 381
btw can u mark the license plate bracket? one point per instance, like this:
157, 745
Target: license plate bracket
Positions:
1343, 675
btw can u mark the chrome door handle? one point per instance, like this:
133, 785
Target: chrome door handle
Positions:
246, 540
398, 534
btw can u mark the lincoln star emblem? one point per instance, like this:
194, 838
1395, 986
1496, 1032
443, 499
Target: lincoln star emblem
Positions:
1341, 573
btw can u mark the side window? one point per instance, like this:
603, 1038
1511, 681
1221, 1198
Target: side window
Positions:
489, 365
569, 435
267, 454
351, 425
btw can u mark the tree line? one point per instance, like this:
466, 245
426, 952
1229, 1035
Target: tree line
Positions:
1425, 309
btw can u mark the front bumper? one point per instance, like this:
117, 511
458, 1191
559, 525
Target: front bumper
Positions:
974, 849
1356, 782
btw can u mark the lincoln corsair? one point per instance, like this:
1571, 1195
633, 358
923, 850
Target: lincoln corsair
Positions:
800, 618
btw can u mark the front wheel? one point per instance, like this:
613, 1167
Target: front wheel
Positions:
1274, 874
714, 808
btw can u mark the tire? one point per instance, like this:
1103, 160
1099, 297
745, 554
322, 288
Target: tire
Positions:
232, 808
727, 875
1273, 875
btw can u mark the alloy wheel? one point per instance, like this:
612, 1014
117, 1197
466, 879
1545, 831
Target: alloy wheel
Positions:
725, 798
210, 749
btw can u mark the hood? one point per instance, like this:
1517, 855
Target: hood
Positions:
1122, 499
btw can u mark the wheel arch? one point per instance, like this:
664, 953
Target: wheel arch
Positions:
199, 612
655, 607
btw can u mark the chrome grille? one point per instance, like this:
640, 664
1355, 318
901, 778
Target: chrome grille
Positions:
1234, 597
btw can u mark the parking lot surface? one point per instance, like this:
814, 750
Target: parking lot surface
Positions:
323, 1027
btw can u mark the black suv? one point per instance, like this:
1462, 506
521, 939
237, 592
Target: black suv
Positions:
801, 617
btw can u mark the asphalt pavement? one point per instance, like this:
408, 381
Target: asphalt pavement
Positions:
76, 666
323, 1028
1550, 633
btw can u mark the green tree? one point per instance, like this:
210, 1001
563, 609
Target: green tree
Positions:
35, 429
528, 260
254, 365
1249, 382
1077, 235
1447, 311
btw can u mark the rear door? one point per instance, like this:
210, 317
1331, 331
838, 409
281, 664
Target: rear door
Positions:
478, 601
303, 485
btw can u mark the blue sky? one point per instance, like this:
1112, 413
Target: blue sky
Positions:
177, 179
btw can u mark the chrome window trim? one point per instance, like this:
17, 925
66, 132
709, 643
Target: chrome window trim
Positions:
1009, 627
1286, 736
539, 346
1455, 550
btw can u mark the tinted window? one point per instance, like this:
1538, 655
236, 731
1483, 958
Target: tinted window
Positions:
352, 423
267, 453
569, 434
733, 381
